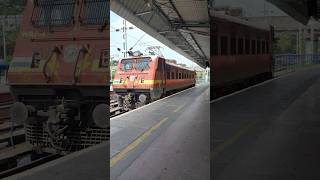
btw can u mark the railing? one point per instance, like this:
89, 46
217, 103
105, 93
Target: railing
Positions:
285, 63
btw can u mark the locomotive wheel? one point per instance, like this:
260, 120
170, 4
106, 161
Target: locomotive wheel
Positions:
128, 104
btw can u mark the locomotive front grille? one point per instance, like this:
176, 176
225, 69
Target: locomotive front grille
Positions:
77, 138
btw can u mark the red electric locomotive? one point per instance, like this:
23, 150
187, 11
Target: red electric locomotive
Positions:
240, 53
59, 74
142, 79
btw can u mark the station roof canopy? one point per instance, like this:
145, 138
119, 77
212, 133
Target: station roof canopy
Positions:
182, 25
301, 10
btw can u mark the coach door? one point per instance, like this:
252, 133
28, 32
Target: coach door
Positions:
161, 70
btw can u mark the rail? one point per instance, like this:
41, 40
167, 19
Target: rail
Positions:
33, 164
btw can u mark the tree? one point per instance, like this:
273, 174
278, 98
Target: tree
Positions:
8, 8
11, 7
285, 43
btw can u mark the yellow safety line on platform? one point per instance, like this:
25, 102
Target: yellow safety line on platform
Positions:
231, 140
123, 153
179, 108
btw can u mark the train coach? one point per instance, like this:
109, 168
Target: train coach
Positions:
59, 74
142, 79
240, 53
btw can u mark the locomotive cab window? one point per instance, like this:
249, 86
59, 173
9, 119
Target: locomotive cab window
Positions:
143, 64
104, 59
53, 13
95, 12
35, 60
127, 64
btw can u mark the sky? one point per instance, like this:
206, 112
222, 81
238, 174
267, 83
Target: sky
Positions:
116, 22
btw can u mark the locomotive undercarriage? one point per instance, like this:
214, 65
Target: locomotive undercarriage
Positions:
130, 98
64, 121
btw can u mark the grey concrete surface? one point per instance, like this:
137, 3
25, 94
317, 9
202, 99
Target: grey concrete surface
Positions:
270, 132
178, 150
88, 164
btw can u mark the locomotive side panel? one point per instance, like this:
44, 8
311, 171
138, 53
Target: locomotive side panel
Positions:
62, 53
59, 74
241, 53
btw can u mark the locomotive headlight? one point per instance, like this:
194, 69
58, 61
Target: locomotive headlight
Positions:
100, 115
19, 112
142, 98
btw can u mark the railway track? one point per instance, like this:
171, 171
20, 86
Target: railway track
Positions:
27, 166
115, 108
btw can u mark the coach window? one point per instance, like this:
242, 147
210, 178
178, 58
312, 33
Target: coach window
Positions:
263, 47
224, 45
233, 46
240, 46
214, 45
253, 46
247, 45
267, 47
258, 46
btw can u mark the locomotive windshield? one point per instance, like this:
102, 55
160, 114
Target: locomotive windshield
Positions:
127, 64
142, 64
52, 13
94, 12
139, 64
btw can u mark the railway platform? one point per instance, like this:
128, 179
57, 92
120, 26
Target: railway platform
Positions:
87, 164
270, 131
166, 140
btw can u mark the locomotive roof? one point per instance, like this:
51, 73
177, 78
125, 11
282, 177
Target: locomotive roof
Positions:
241, 21
176, 65
154, 57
